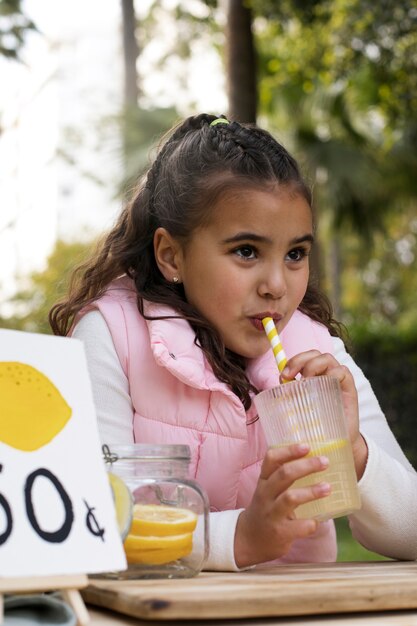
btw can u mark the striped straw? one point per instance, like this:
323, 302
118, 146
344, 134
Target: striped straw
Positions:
274, 340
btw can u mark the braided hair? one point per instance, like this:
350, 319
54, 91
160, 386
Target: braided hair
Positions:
196, 163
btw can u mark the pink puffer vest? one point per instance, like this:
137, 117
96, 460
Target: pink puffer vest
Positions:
177, 399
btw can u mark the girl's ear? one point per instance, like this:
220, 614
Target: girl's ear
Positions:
167, 254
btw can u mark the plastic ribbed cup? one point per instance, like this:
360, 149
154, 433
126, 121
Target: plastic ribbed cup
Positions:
311, 411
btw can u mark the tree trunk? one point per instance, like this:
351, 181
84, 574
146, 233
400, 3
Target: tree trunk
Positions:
241, 63
130, 54
130, 117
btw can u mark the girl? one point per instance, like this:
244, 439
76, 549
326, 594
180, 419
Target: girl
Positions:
217, 237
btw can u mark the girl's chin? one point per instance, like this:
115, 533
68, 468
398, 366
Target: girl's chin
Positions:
252, 349
254, 353
258, 355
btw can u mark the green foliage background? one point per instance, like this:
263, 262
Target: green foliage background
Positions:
350, 550
42, 289
388, 358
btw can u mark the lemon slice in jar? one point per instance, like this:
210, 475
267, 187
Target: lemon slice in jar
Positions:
159, 534
157, 557
135, 543
123, 503
161, 520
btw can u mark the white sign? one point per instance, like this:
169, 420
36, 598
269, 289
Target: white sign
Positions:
56, 507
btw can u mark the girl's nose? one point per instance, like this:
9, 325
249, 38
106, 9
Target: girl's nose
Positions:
272, 284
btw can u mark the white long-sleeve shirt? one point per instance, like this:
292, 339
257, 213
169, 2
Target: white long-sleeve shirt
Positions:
386, 522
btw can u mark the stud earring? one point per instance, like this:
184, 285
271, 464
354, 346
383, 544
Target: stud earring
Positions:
175, 279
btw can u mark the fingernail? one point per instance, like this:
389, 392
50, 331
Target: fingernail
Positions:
303, 448
323, 489
324, 461
285, 373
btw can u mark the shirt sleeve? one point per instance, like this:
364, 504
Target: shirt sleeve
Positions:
388, 488
115, 422
110, 386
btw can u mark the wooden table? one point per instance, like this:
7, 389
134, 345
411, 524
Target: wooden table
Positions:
343, 594
391, 618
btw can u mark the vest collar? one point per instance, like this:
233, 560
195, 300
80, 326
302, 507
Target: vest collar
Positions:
172, 343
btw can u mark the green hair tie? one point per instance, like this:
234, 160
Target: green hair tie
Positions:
219, 120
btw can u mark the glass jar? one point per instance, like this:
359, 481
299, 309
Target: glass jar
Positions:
168, 536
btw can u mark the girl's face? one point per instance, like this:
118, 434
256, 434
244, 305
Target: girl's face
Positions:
250, 261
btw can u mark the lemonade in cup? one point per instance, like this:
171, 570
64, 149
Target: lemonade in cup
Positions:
311, 411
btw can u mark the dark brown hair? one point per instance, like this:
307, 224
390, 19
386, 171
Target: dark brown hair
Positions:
195, 164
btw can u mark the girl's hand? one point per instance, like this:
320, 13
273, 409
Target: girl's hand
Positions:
267, 528
314, 363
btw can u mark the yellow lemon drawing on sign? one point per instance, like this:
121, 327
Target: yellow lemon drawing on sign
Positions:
32, 410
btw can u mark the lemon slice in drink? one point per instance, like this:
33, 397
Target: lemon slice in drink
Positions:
161, 520
123, 503
325, 447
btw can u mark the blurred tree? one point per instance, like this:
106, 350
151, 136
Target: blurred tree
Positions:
14, 24
340, 66
341, 77
42, 289
236, 45
130, 54
183, 29
337, 81
136, 127
241, 62
382, 289
140, 127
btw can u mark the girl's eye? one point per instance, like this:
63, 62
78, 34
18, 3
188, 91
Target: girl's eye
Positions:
246, 252
297, 254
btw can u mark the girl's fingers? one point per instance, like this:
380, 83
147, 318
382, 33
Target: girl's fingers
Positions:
288, 501
295, 365
283, 466
285, 475
276, 457
341, 372
268, 527
313, 363
304, 527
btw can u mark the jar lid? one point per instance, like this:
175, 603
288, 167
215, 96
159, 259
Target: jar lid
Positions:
145, 451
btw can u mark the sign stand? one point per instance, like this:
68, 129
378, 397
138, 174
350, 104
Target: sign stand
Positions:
67, 584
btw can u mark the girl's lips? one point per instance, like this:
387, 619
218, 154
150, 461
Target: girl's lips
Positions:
257, 322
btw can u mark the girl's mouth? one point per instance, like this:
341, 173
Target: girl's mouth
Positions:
257, 322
